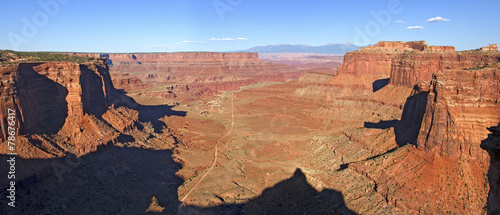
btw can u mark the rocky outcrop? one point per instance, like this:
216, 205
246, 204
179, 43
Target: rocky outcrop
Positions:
127, 82
442, 49
460, 105
45, 94
59, 106
401, 46
411, 46
377, 65
49, 92
491, 47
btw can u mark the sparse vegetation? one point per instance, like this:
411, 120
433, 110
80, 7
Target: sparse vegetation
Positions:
13, 57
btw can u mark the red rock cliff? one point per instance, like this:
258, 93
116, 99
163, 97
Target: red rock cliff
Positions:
461, 104
58, 98
407, 63
491, 47
462, 100
409, 68
377, 60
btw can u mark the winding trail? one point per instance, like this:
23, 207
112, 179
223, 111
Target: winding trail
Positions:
215, 158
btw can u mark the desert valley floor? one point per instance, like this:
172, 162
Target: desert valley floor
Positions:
396, 129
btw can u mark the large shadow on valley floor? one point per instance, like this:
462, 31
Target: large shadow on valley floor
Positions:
291, 196
118, 180
113, 180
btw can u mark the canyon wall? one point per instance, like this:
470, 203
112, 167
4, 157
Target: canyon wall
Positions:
455, 97
59, 106
49, 92
410, 68
200, 74
455, 94
460, 106
406, 63
8, 75
377, 65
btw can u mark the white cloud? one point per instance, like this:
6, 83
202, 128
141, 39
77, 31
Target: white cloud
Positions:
438, 19
414, 27
228, 39
400, 21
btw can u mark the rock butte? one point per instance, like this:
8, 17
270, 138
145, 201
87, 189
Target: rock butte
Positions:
346, 132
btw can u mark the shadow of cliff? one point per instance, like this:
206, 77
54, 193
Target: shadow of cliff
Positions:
492, 146
41, 100
116, 180
381, 124
147, 113
291, 196
154, 113
94, 99
408, 128
113, 180
379, 84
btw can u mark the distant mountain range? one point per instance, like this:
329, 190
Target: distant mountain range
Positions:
332, 48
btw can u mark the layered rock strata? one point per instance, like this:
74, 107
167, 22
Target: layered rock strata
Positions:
202, 73
460, 105
63, 107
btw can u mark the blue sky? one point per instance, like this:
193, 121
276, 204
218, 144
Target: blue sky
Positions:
225, 25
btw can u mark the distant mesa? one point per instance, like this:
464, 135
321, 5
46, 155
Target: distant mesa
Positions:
331, 48
409, 46
172, 57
